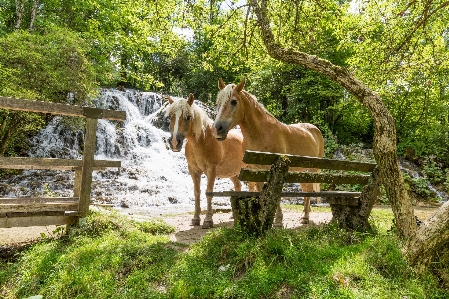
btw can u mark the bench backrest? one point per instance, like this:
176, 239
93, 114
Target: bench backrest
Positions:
262, 158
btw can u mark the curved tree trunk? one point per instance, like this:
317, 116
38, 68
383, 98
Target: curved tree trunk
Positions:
384, 146
431, 236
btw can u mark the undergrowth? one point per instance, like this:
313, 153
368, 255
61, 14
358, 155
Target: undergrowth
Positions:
111, 256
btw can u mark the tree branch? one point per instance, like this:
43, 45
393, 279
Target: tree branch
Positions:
424, 17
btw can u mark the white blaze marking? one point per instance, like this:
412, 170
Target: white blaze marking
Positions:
174, 141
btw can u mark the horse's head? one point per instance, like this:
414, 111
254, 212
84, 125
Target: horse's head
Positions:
181, 115
230, 110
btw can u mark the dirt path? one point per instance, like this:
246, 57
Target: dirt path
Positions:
184, 233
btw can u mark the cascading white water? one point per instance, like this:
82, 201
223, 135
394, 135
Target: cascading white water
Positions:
151, 175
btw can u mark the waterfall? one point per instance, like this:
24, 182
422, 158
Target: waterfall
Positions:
150, 176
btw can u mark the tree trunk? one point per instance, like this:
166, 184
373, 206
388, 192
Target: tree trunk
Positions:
19, 13
432, 237
384, 145
33, 14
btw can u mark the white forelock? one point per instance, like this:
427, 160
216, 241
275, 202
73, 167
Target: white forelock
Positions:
199, 117
223, 97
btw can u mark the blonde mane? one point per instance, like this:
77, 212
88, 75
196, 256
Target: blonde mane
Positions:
199, 117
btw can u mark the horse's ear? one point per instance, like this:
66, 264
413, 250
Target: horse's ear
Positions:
190, 99
170, 100
221, 84
239, 87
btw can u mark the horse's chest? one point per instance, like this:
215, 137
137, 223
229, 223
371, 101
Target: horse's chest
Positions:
201, 158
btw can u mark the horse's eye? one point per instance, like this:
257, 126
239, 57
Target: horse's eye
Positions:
233, 102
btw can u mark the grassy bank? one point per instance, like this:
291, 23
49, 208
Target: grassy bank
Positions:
115, 257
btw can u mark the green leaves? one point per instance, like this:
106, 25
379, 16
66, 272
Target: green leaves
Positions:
46, 67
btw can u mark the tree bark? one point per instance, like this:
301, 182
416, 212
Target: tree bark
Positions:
432, 237
384, 146
33, 14
19, 12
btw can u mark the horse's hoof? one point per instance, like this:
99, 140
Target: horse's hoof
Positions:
305, 221
196, 221
208, 224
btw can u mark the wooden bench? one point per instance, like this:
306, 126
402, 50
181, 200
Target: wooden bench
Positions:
350, 209
42, 211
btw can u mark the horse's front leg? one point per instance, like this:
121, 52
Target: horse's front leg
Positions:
306, 187
208, 221
196, 178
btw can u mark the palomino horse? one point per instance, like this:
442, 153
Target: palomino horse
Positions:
203, 152
263, 132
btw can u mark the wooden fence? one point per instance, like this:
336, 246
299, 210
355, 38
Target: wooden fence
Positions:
26, 211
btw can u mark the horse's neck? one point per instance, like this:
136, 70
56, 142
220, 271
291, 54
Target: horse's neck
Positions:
200, 122
200, 130
257, 122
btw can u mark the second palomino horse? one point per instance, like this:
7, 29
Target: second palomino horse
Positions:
263, 132
203, 152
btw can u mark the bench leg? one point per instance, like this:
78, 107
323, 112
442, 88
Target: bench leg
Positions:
238, 187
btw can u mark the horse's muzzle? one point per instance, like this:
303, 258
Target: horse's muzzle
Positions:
176, 143
221, 130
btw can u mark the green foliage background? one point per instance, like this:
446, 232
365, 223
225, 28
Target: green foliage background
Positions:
397, 48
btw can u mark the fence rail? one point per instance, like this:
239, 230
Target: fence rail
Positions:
42, 211
60, 109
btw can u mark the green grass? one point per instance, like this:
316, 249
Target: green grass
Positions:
113, 257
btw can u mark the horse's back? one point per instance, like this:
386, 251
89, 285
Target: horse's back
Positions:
316, 134
303, 139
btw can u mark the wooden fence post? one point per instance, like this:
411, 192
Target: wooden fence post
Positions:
88, 160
